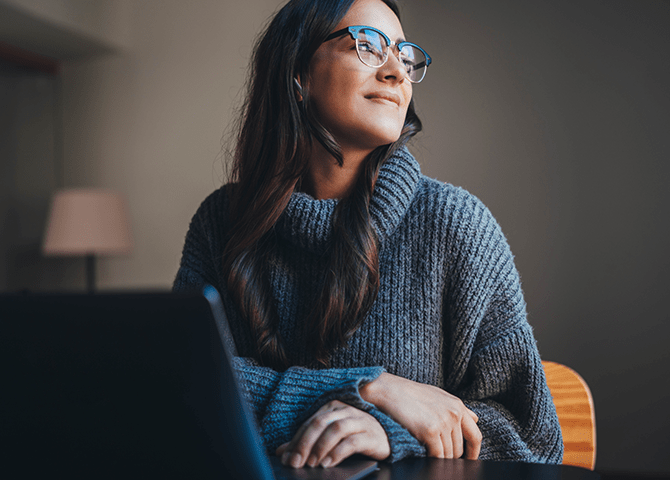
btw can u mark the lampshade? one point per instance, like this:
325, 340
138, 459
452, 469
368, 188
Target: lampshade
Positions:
87, 221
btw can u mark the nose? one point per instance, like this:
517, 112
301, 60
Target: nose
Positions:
393, 69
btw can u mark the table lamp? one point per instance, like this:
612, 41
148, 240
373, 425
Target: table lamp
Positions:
87, 222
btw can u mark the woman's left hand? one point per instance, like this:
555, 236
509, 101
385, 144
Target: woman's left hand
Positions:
335, 432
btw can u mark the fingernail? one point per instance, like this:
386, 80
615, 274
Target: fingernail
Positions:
325, 463
296, 460
311, 461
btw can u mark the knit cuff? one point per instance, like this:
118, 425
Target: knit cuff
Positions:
347, 392
502, 441
403, 444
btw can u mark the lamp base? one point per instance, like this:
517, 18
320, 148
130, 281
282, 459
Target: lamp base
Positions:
90, 273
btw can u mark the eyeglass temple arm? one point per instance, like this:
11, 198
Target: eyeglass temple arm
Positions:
338, 33
418, 65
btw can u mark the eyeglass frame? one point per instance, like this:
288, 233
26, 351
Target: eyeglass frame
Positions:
354, 31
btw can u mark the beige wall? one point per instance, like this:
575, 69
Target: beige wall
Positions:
148, 121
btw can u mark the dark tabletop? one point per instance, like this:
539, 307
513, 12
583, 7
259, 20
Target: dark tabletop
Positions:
437, 469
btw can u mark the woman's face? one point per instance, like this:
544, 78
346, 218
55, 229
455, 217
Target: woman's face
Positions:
363, 107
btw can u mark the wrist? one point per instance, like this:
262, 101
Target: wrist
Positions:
372, 392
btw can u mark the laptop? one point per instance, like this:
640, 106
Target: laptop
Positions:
129, 384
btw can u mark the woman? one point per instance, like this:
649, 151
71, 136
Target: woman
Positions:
374, 310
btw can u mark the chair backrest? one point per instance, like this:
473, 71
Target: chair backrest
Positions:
576, 414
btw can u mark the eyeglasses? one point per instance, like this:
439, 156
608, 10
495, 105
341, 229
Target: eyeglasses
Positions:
372, 47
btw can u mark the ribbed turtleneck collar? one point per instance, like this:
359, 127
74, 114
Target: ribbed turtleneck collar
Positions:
307, 223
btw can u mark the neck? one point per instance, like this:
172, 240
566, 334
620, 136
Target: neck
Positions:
327, 179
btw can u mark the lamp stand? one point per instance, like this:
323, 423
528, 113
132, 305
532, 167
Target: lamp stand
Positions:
90, 273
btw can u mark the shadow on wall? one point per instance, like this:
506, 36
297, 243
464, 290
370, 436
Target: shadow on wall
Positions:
28, 177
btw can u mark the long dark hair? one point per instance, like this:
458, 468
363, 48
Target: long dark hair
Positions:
276, 133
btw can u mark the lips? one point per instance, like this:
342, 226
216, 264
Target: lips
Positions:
384, 95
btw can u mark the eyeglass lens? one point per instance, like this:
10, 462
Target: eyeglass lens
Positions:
373, 50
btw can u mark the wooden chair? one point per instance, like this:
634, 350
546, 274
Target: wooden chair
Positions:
576, 414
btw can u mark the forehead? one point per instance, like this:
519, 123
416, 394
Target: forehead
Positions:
373, 13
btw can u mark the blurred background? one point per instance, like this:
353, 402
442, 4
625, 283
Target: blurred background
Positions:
555, 114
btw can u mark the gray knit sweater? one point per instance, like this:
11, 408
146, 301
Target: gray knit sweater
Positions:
450, 312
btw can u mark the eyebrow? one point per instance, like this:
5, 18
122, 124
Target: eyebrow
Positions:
345, 31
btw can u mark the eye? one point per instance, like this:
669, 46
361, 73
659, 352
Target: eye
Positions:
365, 46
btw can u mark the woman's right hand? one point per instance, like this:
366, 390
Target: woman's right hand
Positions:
436, 418
333, 433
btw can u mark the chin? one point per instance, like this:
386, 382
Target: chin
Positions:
388, 137
364, 137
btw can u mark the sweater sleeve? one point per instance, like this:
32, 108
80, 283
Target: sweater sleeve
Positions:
495, 364
517, 416
281, 401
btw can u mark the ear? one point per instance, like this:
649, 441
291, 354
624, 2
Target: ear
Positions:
298, 87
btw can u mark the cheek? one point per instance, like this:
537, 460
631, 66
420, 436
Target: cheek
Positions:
329, 105
335, 98
324, 89
408, 92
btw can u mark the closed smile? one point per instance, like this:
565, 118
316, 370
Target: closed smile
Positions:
385, 97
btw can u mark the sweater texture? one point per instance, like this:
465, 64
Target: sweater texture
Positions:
450, 312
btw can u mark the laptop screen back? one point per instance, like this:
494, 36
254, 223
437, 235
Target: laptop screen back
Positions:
125, 384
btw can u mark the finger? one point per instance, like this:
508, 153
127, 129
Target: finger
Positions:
298, 434
297, 454
473, 415
447, 445
473, 438
281, 449
360, 433
291, 446
332, 436
457, 441
331, 406
344, 449
286, 455
434, 445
